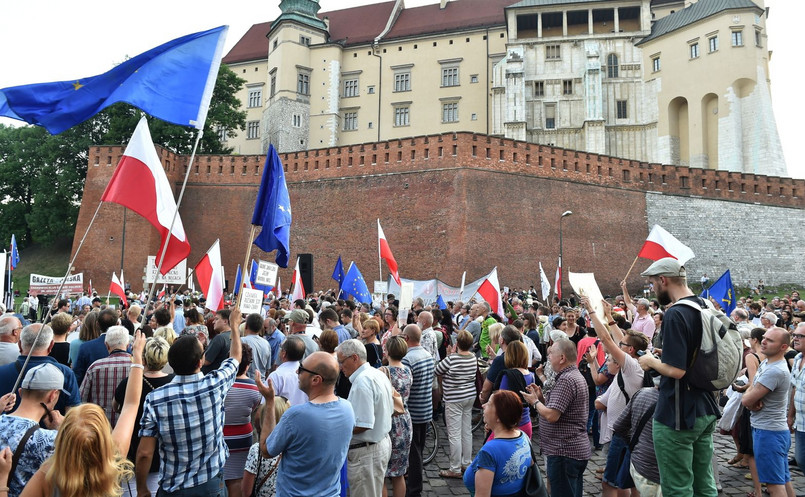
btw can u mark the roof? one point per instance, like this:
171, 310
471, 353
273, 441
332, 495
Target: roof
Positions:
696, 12
359, 25
537, 3
251, 46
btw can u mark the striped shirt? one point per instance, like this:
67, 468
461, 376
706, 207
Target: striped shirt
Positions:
101, 380
420, 401
186, 416
459, 377
798, 382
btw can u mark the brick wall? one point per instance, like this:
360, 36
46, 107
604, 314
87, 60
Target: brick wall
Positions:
448, 203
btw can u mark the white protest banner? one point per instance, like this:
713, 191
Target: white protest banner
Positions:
266, 273
49, 285
406, 295
175, 276
381, 287
251, 302
584, 284
3, 265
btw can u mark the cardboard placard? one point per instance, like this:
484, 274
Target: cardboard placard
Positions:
176, 276
251, 302
266, 273
585, 285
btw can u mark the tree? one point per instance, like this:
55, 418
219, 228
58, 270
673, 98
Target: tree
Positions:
42, 175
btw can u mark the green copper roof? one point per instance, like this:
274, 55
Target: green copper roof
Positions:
696, 12
302, 11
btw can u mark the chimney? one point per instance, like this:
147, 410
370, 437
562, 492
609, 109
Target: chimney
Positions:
443, 4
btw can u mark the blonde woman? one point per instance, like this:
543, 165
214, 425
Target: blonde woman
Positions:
89, 460
260, 474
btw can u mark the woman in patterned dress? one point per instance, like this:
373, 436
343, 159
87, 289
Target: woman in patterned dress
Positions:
401, 430
260, 474
241, 401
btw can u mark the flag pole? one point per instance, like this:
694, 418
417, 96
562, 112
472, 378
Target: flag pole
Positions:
630, 267
246, 263
379, 258
161, 258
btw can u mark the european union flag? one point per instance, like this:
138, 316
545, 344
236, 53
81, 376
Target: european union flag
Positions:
338, 272
355, 285
440, 303
15, 254
172, 82
238, 281
272, 210
723, 292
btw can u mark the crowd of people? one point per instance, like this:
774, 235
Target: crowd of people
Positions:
330, 397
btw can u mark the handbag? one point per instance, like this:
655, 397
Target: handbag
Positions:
623, 478
257, 486
533, 485
397, 400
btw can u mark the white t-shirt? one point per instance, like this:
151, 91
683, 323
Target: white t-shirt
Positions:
614, 399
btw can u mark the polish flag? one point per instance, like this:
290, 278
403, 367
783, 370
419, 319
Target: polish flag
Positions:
118, 288
210, 277
298, 288
660, 244
139, 183
385, 253
279, 287
557, 282
490, 291
162, 292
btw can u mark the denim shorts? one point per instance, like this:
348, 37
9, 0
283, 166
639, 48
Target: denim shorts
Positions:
771, 456
616, 446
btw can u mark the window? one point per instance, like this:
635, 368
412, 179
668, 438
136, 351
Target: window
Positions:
450, 112
275, 44
370, 90
712, 44
402, 81
612, 66
539, 88
694, 50
758, 38
655, 64
252, 130
553, 52
273, 83
567, 87
350, 121
297, 121
621, 109
401, 116
550, 116
351, 88
737, 38
304, 40
450, 76
473, 78
222, 134
256, 97
303, 84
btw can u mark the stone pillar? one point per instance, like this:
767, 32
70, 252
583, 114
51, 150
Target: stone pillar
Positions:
617, 21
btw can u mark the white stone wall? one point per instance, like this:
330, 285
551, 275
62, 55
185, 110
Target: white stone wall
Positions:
279, 126
743, 238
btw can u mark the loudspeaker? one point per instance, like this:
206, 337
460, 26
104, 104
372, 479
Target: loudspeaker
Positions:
306, 271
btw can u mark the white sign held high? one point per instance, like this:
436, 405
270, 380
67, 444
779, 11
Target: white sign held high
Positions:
251, 302
266, 273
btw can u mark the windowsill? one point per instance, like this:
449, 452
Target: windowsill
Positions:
449, 86
401, 91
402, 125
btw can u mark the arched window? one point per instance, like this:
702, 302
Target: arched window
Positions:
612, 66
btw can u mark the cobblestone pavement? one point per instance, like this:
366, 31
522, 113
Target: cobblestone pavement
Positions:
733, 480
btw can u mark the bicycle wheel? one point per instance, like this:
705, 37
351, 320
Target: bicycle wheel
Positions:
431, 443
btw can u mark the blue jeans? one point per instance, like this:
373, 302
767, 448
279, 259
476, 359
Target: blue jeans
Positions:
214, 487
566, 476
799, 449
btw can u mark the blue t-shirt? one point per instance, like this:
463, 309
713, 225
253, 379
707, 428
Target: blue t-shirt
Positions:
313, 440
37, 449
508, 458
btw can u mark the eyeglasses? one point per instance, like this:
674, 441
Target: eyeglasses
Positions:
305, 370
797, 336
624, 344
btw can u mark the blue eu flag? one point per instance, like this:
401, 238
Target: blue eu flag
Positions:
355, 285
15, 254
272, 210
238, 281
338, 272
172, 82
440, 303
723, 292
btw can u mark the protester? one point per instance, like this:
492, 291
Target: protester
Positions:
420, 403
10, 328
95, 349
374, 351
643, 464
62, 323
219, 346
88, 330
285, 378
194, 326
401, 429
260, 474
104, 375
796, 404
261, 351
516, 378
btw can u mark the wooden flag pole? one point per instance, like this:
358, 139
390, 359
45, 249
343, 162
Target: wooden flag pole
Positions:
245, 263
631, 267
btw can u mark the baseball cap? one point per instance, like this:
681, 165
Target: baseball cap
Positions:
667, 266
44, 377
298, 316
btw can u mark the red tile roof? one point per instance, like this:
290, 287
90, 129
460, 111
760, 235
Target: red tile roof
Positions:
363, 24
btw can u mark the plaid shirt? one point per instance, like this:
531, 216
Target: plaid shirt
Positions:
101, 380
798, 382
186, 416
568, 435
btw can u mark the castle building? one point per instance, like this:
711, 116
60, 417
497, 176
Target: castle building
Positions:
677, 82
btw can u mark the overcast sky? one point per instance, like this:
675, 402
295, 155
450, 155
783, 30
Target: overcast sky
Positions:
48, 40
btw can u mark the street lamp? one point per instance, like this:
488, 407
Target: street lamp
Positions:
561, 273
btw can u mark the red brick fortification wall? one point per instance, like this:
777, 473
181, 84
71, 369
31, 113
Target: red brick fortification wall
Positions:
448, 203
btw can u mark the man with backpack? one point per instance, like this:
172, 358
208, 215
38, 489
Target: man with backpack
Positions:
686, 415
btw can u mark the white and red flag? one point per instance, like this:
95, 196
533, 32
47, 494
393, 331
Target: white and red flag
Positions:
118, 287
660, 244
140, 183
386, 255
557, 281
298, 287
210, 277
162, 292
490, 291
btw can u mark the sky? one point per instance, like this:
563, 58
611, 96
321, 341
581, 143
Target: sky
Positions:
49, 40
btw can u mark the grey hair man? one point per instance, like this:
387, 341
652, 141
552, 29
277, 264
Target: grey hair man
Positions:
370, 396
10, 328
104, 375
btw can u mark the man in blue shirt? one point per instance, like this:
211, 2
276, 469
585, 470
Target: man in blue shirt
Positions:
313, 437
95, 349
274, 337
329, 319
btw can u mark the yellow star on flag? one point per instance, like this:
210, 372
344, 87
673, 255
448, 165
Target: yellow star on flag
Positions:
77, 85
